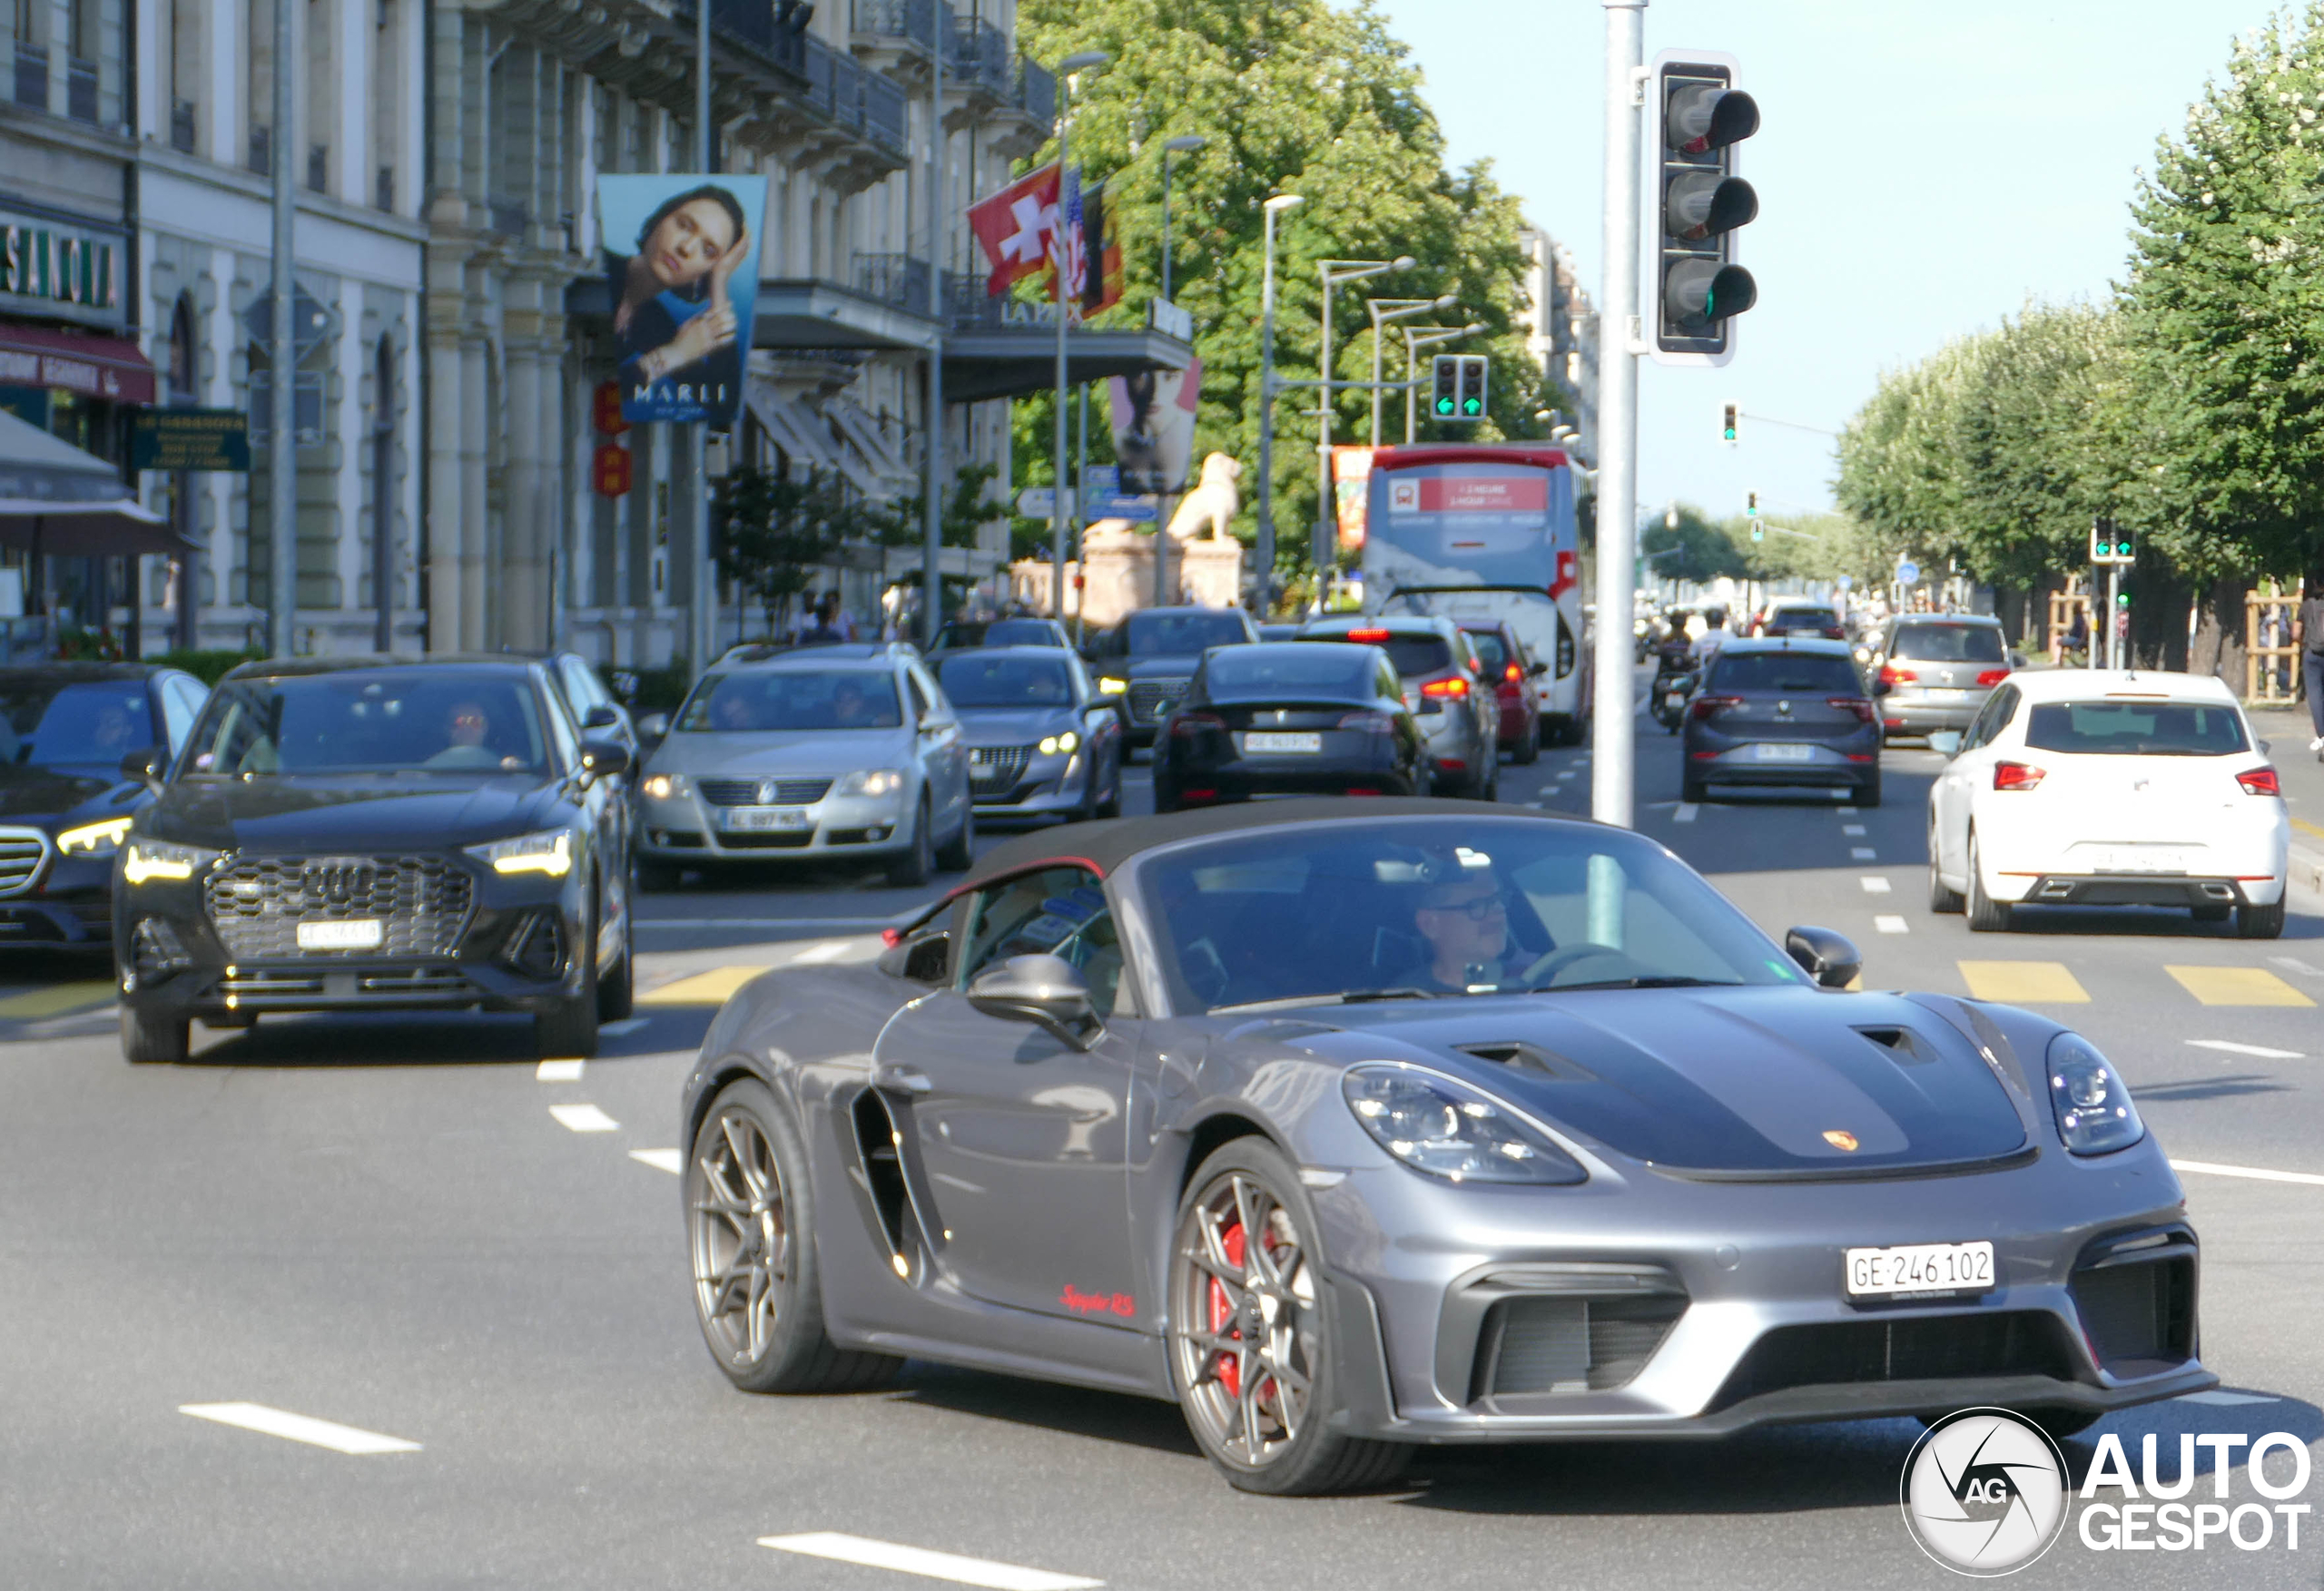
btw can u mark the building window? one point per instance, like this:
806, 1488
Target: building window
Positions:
260, 41
29, 43
186, 18
323, 94
184, 373
386, 130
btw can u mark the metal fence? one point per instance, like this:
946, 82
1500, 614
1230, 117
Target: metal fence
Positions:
913, 21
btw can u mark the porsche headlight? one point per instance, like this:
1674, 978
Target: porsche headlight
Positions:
1052, 744
151, 858
662, 786
872, 781
1110, 686
94, 839
2095, 1115
1451, 1130
549, 852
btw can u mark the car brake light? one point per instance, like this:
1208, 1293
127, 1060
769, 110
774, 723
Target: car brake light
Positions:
1705, 706
2259, 782
1856, 704
1890, 674
1455, 686
1993, 676
1361, 789
1368, 635
2017, 775
1375, 723
1834, 633
1191, 724
1512, 674
1191, 794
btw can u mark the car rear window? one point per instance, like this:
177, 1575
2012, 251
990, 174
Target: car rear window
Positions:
2136, 729
1413, 654
1170, 634
1258, 674
1489, 647
1803, 619
1020, 632
1785, 671
1949, 643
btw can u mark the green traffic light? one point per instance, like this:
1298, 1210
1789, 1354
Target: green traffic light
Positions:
1475, 408
1444, 406
1730, 433
2122, 599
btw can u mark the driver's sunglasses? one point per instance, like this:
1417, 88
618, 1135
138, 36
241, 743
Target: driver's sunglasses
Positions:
1478, 910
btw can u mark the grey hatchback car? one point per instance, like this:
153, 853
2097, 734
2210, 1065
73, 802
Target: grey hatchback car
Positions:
1445, 687
1936, 671
827, 752
1782, 712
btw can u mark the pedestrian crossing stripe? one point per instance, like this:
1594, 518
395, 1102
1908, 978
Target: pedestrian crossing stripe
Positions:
714, 988
2236, 985
2023, 983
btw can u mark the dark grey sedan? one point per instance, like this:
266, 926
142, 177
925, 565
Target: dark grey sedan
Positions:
1784, 714
1042, 742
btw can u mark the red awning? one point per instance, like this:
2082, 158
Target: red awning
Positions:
109, 368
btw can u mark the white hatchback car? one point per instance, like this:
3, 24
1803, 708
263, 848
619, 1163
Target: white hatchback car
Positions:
2078, 787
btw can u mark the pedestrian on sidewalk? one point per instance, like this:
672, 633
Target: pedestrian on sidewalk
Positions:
2308, 635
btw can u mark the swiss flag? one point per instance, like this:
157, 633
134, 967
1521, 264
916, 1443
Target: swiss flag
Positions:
1016, 226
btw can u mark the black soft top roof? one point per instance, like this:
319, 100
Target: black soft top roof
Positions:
1105, 844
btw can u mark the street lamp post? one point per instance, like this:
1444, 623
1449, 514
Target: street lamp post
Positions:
1417, 338
1274, 207
1334, 272
1382, 311
1082, 61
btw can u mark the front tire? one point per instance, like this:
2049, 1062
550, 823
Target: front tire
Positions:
1986, 915
569, 1028
956, 857
1251, 1346
1869, 793
910, 871
2260, 922
1528, 749
148, 1039
750, 1234
1693, 792
1943, 899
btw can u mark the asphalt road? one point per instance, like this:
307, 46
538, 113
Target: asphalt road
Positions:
405, 1228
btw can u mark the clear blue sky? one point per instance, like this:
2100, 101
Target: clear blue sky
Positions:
1922, 170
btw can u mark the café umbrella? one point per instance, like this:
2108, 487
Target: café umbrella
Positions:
57, 499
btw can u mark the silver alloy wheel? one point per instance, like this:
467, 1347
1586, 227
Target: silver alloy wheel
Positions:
741, 1236
1244, 1331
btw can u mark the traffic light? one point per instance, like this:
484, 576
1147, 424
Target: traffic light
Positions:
1726, 429
1457, 381
1751, 512
2110, 544
1699, 116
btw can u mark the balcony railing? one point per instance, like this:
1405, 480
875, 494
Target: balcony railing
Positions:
978, 56
885, 113
181, 127
1036, 91
843, 92
81, 89
900, 279
32, 76
911, 20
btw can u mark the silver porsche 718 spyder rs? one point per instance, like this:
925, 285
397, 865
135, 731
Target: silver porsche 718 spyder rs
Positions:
1355, 1127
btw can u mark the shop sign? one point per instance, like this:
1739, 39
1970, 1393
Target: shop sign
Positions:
609, 470
65, 267
190, 438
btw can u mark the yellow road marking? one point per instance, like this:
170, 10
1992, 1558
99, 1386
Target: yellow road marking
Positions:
54, 1001
2236, 985
714, 988
2023, 983
2305, 827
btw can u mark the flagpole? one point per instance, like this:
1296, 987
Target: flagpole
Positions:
1082, 61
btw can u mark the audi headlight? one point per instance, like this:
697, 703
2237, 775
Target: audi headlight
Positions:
872, 781
662, 787
1052, 744
151, 858
549, 852
1451, 1130
2095, 1115
94, 839
1109, 686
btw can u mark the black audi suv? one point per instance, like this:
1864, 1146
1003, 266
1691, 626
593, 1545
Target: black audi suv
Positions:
377, 834
65, 801
1149, 659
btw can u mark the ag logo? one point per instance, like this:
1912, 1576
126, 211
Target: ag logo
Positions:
1984, 1492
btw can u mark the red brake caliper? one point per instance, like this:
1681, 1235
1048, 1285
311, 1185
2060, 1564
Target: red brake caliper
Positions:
1227, 1369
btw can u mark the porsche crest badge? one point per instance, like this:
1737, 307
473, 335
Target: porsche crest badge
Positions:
1839, 1139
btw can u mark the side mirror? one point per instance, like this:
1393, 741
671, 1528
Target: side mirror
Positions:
1535, 669
921, 959
604, 759
1945, 742
601, 717
1044, 991
654, 728
1826, 957
1881, 687
2017, 660
145, 766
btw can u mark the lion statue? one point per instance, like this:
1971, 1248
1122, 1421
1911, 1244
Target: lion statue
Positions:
1214, 502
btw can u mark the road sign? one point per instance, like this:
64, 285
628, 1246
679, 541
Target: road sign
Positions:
1040, 502
310, 323
1907, 572
1103, 485
190, 438
1846, 582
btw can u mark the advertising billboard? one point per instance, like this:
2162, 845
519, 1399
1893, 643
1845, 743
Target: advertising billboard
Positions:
1152, 417
681, 265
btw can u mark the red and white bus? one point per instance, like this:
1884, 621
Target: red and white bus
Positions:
1486, 531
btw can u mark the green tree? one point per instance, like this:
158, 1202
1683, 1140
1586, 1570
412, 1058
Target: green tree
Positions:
774, 531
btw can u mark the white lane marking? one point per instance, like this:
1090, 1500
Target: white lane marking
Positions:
919, 1560
829, 950
583, 1118
1848, 811
627, 1025
1538, 806
2233, 1048
1851, 828
1874, 884
2223, 1397
669, 1159
1891, 924
2294, 964
1863, 853
1686, 813
2253, 1172
1567, 774
558, 1070
299, 1428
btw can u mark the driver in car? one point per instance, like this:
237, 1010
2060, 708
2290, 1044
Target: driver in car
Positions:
1465, 920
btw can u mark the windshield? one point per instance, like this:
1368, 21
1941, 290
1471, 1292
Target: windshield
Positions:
47, 720
1784, 671
1949, 643
374, 721
1414, 655
1178, 634
2131, 728
1429, 907
1266, 672
1000, 680
1020, 632
1489, 649
782, 701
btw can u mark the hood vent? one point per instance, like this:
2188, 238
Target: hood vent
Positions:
1909, 1048
1530, 1057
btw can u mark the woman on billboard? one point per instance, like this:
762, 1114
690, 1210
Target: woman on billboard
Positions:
674, 320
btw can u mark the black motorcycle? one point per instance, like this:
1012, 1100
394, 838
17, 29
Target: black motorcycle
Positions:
1667, 696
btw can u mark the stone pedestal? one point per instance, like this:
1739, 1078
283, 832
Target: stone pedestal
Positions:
1118, 559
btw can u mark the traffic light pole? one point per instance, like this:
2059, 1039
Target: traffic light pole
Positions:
2113, 609
1613, 782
